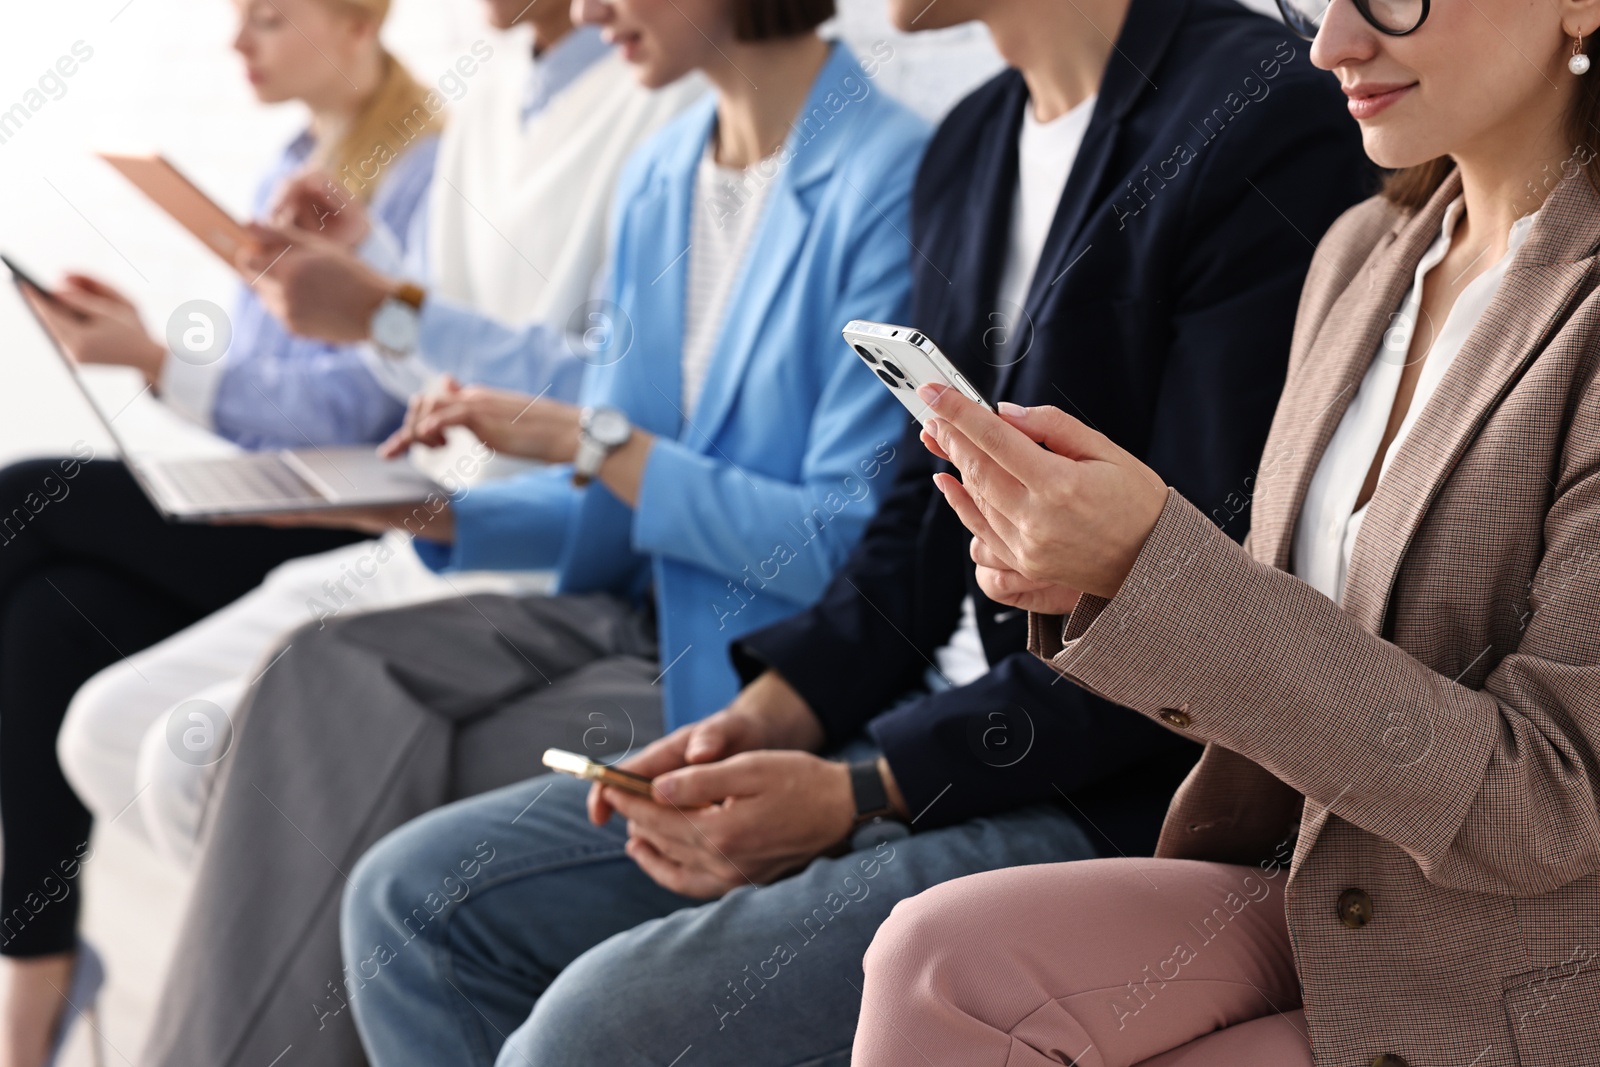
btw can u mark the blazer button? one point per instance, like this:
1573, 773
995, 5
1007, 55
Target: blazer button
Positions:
1178, 716
1389, 1059
1355, 911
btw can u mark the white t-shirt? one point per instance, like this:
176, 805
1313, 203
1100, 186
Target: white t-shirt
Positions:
726, 211
1329, 523
1045, 154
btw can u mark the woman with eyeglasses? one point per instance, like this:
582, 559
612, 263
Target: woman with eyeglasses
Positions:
1389, 853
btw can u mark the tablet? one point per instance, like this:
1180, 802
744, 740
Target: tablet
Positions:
183, 200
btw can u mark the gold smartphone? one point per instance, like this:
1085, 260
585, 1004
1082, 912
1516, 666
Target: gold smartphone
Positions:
584, 767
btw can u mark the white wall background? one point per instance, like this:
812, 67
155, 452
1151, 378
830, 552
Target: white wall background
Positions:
163, 78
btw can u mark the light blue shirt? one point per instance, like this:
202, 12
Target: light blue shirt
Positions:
746, 509
281, 391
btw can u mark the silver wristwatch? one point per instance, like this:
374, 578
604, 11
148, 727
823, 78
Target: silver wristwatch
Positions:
601, 431
395, 327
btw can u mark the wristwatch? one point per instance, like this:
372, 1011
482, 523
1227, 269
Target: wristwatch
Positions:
601, 431
875, 818
396, 324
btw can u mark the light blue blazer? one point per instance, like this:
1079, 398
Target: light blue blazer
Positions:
747, 508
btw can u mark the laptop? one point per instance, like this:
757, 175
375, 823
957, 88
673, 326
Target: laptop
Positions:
262, 483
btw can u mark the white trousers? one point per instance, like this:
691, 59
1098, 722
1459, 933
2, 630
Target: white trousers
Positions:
143, 738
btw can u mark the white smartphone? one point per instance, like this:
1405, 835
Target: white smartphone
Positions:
906, 359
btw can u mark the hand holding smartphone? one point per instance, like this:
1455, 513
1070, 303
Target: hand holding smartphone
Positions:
24, 280
583, 767
905, 359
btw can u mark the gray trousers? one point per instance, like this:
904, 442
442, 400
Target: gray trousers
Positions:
354, 729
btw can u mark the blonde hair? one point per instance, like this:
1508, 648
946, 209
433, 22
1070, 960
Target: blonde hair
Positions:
397, 114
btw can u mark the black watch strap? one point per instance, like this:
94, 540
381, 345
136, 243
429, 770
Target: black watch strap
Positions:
872, 800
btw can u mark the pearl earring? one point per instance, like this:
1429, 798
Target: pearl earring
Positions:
1579, 63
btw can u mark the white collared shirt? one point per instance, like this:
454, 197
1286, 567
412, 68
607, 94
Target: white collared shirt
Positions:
1329, 522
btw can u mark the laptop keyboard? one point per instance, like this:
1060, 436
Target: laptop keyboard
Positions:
239, 481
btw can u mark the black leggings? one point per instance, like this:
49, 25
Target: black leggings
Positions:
89, 573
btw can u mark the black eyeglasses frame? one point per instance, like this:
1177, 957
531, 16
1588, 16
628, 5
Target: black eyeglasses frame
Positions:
1365, 9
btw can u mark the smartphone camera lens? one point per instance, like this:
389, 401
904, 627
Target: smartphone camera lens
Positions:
916, 339
894, 370
890, 382
864, 354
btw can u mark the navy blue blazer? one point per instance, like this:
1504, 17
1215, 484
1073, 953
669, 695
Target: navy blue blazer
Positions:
1161, 314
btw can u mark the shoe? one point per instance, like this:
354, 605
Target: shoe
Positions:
83, 996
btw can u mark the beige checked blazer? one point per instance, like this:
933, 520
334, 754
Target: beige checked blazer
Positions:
1436, 742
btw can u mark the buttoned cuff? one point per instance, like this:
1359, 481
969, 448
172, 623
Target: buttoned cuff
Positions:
1049, 634
1229, 650
1114, 648
1120, 649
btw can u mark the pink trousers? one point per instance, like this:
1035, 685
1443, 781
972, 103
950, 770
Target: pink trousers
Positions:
1100, 963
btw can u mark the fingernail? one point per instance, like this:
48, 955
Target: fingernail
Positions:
664, 788
930, 393
1006, 407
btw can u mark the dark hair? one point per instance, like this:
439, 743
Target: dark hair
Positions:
763, 20
1412, 187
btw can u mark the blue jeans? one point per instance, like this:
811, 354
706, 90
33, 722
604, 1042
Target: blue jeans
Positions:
506, 929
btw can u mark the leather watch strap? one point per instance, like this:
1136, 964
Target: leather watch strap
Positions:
407, 293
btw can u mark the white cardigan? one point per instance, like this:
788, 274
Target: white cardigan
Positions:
517, 214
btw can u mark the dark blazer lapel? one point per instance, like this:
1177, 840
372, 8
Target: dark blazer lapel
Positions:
985, 235
1547, 274
1077, 200
1323, 383
1146, 32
